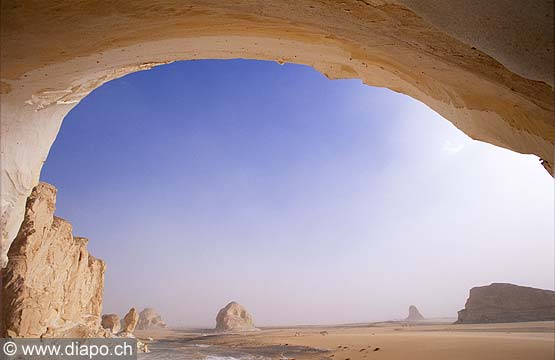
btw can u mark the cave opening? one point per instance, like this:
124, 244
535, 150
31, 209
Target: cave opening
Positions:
308, 201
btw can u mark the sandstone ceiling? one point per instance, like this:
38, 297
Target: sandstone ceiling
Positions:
486, 66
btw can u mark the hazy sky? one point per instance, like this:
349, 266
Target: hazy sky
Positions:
307, 200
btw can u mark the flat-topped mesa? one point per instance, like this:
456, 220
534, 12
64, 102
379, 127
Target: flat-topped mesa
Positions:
150, 319
234, 318
414, 314
51, 286
500, 302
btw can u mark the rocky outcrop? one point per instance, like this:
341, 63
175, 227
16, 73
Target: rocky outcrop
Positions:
234, 317
52, 286
128, 326
111, 322
130, 320
507, 303
150, 319
414, 314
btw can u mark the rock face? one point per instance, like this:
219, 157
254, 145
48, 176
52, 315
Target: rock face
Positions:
150, 319
52, 286
234, 317
414, 314
130, 321
111, 322
507, 303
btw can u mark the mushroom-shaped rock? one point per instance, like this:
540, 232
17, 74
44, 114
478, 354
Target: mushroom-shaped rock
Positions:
234, 317
130, 321
414, 314
111, 322
150, 319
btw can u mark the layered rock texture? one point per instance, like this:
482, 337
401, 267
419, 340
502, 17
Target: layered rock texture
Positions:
130, 320
414, 314
500, 302
487, 66
111, 322
234, 317
150, 319
52, 286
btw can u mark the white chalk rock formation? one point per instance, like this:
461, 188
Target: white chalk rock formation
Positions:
129, 322
52, 286
150, 319
234, 317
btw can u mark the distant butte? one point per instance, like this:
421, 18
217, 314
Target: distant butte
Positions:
414, 314
501, 302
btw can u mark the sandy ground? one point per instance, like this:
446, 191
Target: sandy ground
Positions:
526, 341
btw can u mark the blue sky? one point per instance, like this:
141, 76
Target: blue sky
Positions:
305, 199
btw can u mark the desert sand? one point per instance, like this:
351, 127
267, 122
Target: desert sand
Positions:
531, 340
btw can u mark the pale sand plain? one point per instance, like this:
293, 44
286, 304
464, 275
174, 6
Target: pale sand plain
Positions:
523, 341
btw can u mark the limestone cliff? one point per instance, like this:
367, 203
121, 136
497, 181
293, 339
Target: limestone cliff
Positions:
52, 286
500, 302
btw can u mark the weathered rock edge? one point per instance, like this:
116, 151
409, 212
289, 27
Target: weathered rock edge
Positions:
52, 286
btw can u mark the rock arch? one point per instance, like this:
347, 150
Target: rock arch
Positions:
485, 66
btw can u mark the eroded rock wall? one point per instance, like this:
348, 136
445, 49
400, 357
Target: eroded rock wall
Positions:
51, 286
501, 302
